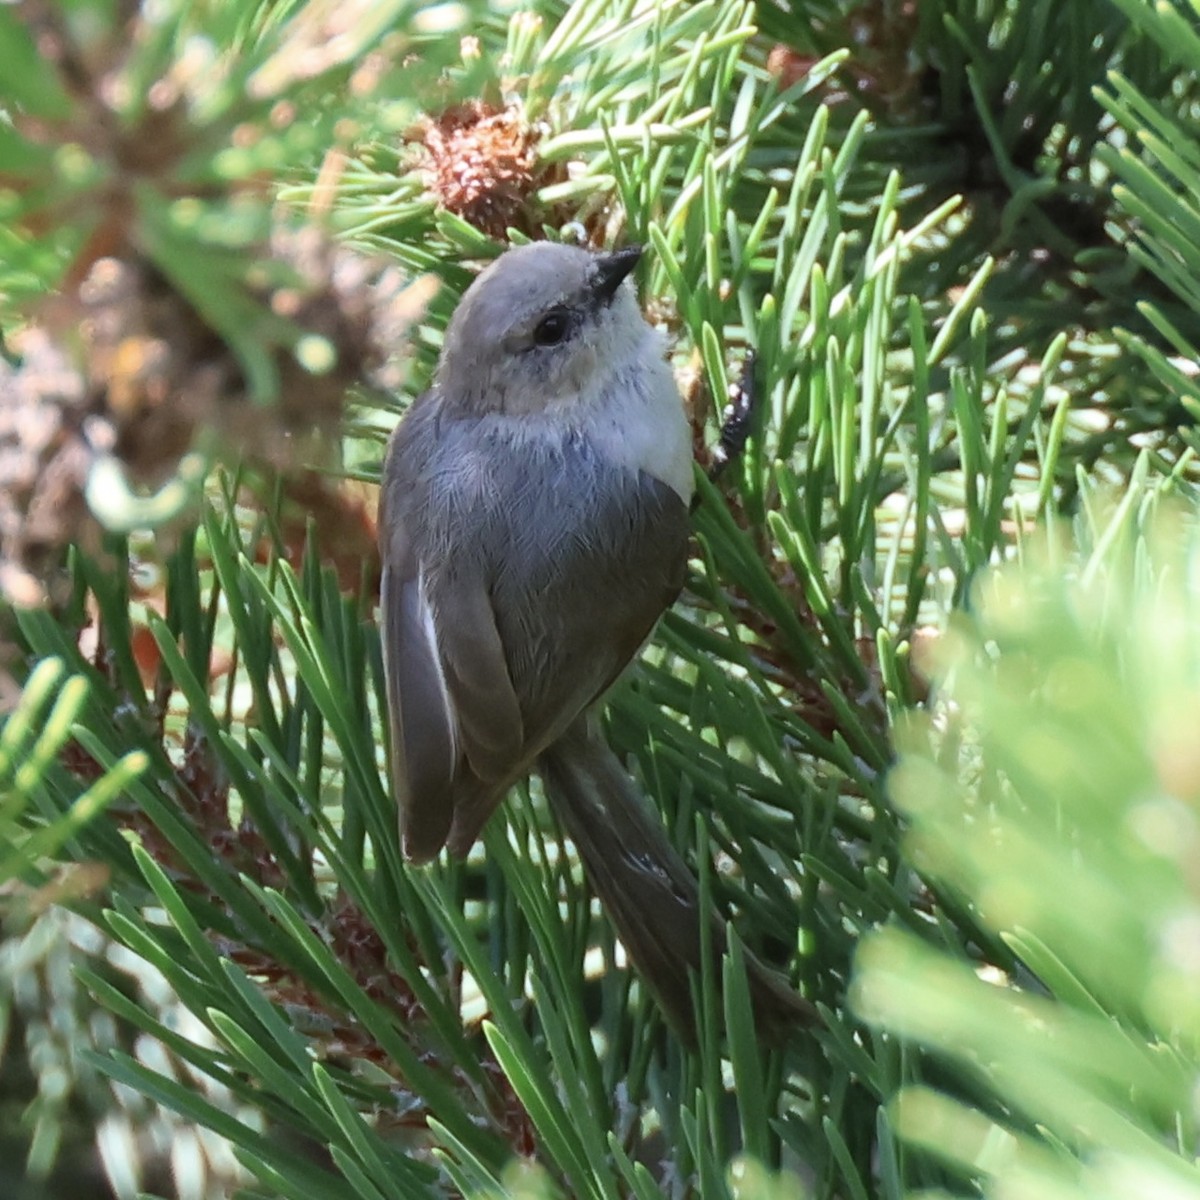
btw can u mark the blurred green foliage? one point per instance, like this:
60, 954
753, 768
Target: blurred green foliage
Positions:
1054, 794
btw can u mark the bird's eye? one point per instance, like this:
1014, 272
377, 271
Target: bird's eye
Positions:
552, 328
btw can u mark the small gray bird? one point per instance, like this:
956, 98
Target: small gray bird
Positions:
533, 528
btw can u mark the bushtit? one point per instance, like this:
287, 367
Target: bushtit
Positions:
534, 525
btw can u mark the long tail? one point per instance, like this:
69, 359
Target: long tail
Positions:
649, 893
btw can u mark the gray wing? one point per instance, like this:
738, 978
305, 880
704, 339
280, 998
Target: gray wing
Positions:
455, 722
423, 735
454, 712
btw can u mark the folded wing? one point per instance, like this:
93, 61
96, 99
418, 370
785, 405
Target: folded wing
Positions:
456, 724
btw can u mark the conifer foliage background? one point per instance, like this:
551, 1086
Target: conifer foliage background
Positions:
954, 804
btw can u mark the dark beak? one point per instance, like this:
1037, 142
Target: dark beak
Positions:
611, 269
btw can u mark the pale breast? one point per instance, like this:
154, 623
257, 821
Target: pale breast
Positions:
639, 423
